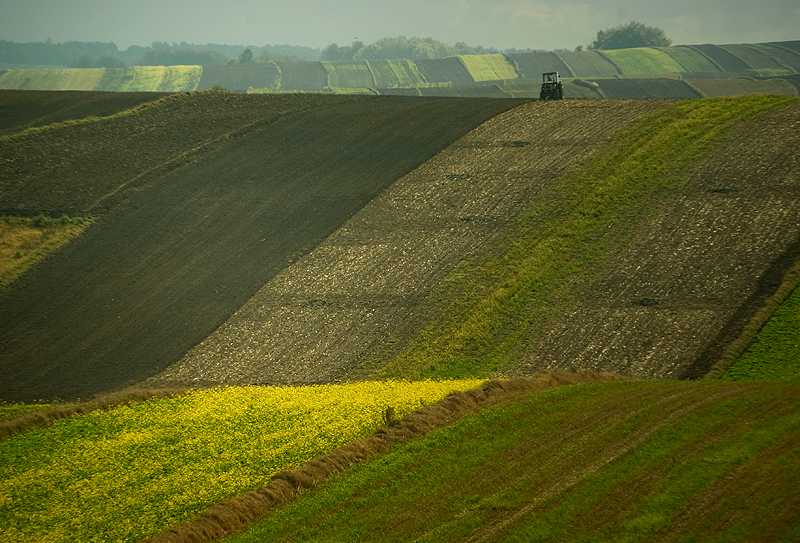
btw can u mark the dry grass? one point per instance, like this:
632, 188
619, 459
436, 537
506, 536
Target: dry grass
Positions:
25, 241
45, 417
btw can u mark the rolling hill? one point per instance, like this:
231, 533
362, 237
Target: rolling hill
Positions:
674, 70
289, 239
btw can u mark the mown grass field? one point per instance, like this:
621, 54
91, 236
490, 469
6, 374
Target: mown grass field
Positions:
163, 78
349, 75
58, 79
489, 67
480, 315
396, 73
624, 461
690, 59
124, 474
643, 60
24, 241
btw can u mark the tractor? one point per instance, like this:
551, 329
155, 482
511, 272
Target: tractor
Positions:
552, 89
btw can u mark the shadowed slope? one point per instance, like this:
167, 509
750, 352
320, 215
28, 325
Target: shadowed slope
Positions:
166, 267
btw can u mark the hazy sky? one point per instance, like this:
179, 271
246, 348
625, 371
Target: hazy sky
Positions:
540, 24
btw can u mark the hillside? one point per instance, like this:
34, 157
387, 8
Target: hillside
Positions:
247, 240
228, 252
201, 200
648, 461
647, 72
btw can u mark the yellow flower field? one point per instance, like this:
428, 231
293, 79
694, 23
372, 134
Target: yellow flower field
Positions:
124, 474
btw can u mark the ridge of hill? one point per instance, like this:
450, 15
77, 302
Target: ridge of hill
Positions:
678, 72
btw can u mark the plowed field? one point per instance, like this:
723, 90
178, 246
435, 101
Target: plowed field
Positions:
687, 283
202, 200
284, 239
20, 110
317, 320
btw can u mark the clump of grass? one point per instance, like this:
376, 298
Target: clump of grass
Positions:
24, 241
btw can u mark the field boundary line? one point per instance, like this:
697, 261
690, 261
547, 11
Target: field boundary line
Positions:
43, 418
714, 62
791, 280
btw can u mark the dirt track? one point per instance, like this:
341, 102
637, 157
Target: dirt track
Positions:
197, 223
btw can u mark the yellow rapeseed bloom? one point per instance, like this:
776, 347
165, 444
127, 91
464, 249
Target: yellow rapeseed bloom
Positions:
124, 474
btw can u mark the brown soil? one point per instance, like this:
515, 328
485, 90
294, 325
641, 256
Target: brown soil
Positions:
322, 316
267, 239
202, 200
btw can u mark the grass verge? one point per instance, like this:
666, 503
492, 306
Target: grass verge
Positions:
24, 241
129, 472
624, 461
491, 307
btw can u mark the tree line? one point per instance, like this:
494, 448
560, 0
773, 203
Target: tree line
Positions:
107, 55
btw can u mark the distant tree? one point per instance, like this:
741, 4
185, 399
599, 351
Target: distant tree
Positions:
109, 62
103, 62
633, 34
334, 52
246, 57
166, 56
83, 62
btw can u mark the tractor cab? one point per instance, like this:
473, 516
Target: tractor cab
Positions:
552, 88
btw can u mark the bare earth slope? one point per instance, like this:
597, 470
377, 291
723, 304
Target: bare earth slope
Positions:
216, 214
319, 318
686, 285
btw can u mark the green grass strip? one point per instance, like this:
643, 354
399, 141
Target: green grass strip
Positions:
181, 79
127, 473
348, 75
490, 307
489, 67
146, 78
691, 59
775, 354
407, 73
643, 60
